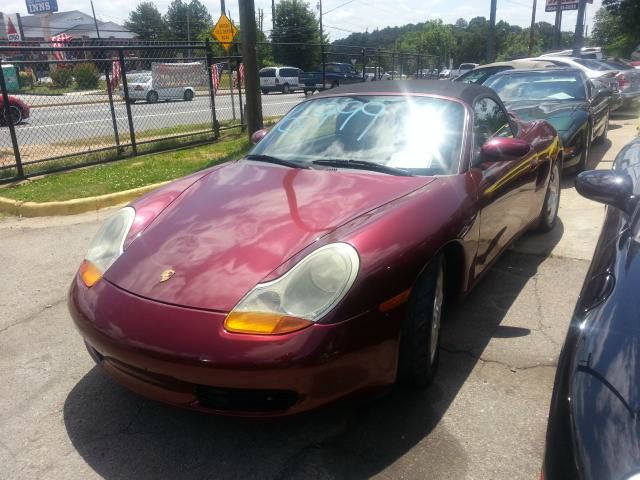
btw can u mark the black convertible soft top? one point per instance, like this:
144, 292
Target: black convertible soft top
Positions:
467, 92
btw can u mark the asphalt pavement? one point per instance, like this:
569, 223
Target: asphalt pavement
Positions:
483, 418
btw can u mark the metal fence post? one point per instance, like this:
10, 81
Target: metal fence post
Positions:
379, 66
12, 130
238, 62
212, 95
127, 103
233, 102
107, 66
364, 64
324, 65
393, 64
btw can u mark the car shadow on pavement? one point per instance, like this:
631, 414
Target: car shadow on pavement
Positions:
124, 436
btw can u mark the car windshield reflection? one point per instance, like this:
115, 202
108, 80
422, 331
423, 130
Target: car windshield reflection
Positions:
422, 135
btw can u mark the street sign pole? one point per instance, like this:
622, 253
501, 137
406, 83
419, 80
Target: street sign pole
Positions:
248, 38
578, 37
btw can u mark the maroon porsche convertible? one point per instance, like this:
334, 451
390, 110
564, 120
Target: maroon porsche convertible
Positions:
317, 267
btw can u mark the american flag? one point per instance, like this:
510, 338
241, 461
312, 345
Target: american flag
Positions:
116, 73
216, 71
59, 41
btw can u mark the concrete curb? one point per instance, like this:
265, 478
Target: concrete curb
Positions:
72, 207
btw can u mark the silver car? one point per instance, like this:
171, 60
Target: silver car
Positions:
141, 87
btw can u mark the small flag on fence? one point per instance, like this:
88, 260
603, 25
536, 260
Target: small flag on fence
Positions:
216, 71
241, 73
116, 73
59, 41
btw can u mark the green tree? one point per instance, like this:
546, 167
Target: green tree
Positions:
434, 38
146, 22
295, 22
188, 20
616, 26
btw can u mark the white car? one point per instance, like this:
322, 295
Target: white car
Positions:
586, 52
141, 87
464, 68
279, 79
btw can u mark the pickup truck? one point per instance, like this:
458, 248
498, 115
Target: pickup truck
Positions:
335, 74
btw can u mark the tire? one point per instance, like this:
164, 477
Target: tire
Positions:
188, 95
420, 334
335, 84
586, 147
152, 97
285, 89
549, 212
307, 92
264, 92
132, 101
15, 116
603, 136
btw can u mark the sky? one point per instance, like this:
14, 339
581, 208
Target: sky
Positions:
349, 15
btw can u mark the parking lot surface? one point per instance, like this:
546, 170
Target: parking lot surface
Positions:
483, 418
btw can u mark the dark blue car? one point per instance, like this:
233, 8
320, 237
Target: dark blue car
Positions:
594, 419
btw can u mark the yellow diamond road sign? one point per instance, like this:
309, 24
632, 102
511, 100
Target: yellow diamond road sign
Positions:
224, 31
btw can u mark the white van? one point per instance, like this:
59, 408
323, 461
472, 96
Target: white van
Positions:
279, 79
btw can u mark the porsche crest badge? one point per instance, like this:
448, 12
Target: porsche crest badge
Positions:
166, 275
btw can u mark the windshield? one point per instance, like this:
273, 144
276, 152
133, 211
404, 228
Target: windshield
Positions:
467, 66
538, 86
422, 135
139, 78
592, 64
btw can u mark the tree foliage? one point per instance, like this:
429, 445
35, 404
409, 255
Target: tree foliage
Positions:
295, 22
146, 22
617, 26
187, 20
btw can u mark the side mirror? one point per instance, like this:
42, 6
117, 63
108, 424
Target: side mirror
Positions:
608, 187
503, 149
258, 135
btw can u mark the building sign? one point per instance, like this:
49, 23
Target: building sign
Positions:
224, 31
42, 6
552, 5
12, 25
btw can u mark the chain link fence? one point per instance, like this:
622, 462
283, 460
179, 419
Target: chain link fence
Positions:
92, 102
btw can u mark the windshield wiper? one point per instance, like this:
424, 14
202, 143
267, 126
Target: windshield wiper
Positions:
363, 165
276, 160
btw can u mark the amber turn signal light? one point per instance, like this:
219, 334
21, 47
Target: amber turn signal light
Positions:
89, 273
261, 323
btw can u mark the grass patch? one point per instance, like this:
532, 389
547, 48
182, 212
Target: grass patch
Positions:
131, 173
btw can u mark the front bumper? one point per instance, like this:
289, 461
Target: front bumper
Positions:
186, 358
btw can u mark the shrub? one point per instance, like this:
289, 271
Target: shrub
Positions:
86, 75
61, 77
26, 79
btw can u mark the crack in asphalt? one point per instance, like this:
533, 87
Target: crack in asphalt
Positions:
513, 368
33, 316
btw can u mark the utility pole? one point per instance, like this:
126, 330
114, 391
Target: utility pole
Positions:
248, 37
533, 26
578, 37
557, 33
223, 8
95, 20
322, 58
491, 51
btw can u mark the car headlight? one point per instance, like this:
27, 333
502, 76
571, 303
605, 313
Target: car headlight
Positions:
106, 246
301, 296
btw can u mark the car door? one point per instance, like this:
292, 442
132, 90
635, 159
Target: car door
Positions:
505, 188
598, 105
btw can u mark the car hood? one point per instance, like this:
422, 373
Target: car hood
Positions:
233, 227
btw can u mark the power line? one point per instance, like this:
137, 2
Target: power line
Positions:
339, 6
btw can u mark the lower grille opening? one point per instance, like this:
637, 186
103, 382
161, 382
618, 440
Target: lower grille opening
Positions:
245, 400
